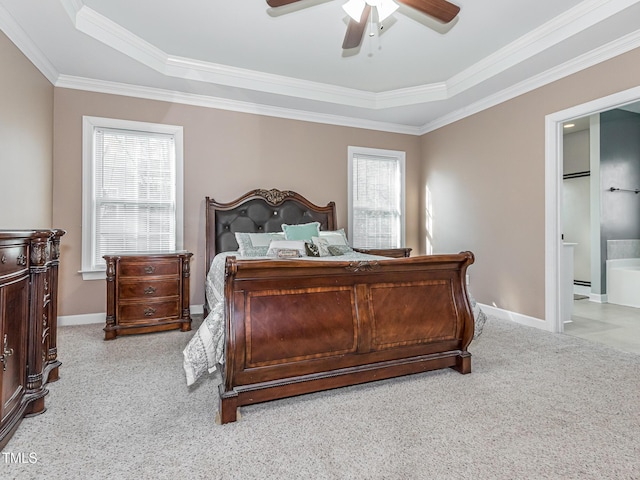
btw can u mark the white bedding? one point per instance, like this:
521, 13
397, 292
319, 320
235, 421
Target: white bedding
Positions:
205, 351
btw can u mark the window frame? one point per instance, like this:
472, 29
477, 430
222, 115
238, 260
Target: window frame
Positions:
90, 271
353, 152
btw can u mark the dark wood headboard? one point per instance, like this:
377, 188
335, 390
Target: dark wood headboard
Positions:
260, 211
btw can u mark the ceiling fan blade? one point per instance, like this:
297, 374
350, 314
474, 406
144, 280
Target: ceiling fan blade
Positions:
440, 9
280, 3
355, 30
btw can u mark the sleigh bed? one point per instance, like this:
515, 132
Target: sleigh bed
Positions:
279, 327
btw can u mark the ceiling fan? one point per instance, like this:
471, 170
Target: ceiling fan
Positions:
360, 10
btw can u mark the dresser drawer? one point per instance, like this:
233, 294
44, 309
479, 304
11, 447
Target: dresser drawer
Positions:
13, 259
143, 289
145, 312
148, 268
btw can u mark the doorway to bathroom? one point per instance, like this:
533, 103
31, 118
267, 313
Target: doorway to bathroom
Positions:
594, 150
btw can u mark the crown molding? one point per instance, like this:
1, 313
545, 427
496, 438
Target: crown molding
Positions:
589, 59
113, 88
560, 28
601, 54
587, 12
18, 36
564, 26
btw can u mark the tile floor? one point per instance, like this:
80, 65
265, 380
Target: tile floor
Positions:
613, 325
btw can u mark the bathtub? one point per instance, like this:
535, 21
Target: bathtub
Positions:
623, 282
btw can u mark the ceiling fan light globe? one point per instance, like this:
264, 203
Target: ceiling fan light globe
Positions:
386, 8
354, 8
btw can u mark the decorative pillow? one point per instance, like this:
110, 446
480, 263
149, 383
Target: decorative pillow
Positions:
334, 237
337, 250
303, 231
277, 245
311, 249
322, 245
256, 244
287, 253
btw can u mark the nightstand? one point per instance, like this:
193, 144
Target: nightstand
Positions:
147, 292
386, 252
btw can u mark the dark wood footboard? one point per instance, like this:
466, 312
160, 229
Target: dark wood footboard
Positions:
295, 327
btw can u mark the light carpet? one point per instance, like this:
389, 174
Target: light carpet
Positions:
537, 406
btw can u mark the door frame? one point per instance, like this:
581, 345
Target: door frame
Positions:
553, 194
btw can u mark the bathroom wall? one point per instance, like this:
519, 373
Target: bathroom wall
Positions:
619, 168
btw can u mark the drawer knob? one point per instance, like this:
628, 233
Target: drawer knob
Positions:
149, 269
149, 290
149, 311
4, 259
21, 260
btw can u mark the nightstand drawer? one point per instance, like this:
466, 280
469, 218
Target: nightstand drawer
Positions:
149, 268
13, 259
142, 289
134, 313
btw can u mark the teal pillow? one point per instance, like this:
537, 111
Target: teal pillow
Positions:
305, 231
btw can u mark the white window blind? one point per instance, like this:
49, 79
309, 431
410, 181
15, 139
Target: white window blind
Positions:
135, 192
376, 198
132, 200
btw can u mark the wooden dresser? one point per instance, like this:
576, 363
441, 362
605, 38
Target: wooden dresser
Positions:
28, 323
147, 292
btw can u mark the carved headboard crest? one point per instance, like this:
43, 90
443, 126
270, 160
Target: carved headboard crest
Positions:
274, 196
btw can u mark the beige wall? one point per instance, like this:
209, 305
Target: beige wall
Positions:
226, 154
26, 132
486, 174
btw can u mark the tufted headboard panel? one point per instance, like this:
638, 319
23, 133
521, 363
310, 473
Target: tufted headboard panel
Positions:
260, 211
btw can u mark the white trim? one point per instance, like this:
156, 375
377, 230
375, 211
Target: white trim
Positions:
553, 193
93, 274
149, 93
598, 55
18, 36
95, 318
580, 17
88, 126
82, 319
589, 59
514, 317
562, 27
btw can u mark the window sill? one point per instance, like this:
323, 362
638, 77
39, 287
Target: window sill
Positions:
93, 274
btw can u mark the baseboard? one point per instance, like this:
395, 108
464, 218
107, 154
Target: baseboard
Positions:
598, 298
83, 319
516, 317
93, 318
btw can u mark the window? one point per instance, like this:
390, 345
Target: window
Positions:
376, 198
132, 190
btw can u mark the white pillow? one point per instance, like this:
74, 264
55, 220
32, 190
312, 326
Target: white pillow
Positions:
276, 245
334, 237
256, 244
264, 239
